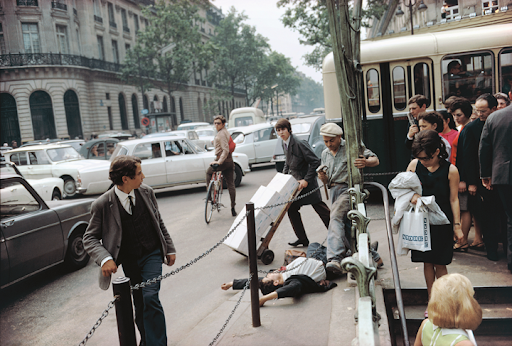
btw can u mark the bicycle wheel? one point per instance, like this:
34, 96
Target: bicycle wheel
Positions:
210, 202
219, 194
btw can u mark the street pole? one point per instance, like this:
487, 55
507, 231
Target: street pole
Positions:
253, 265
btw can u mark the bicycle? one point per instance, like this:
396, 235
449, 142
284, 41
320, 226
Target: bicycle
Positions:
214, 194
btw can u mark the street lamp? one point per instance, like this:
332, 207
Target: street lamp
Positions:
422, 7
277, 95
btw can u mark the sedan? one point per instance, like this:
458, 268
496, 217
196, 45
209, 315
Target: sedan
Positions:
166, 161
190, 134
36, 235
256, 141
99, 149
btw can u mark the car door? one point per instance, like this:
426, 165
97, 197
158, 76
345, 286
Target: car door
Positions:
182, 163
152, 162
264, 144
39, 166
4, 261
21, 161
31, 231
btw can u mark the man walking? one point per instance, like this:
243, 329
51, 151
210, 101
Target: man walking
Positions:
224, 159
336, 177
126, 228
495, 157
301, 162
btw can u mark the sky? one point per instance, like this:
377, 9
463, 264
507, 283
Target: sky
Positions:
265, 16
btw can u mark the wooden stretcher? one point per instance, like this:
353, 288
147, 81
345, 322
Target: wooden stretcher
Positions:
264, 253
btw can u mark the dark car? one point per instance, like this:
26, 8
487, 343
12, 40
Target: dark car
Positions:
99, 149
36, 235
306, 127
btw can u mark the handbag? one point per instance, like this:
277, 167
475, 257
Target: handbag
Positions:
414, 233
232, 145
291, 255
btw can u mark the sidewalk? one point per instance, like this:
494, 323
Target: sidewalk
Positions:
328, 318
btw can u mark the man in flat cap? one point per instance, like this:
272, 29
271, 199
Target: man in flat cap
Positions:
336, 177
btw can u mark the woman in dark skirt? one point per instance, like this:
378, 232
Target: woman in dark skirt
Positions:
439, 178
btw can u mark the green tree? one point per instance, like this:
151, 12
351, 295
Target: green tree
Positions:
310, 19
169, 49
310, 95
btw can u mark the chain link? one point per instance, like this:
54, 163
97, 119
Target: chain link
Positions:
110, 305
380, 174
232, 312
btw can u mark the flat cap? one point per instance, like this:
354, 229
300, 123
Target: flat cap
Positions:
330, 130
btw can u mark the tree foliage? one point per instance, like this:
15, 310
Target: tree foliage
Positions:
310, 19
310, 95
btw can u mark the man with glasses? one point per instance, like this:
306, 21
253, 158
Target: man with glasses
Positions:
482, 202
223, 159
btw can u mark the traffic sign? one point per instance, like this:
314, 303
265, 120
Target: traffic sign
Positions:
145, 121
145, 111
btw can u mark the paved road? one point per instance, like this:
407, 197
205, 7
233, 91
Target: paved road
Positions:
58, 307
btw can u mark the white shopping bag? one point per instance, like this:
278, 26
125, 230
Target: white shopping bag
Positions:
414, 231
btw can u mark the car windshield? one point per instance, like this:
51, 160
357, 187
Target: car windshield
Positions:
63, 154
238, 137
205, 133
120, 150
196, 147
301, 128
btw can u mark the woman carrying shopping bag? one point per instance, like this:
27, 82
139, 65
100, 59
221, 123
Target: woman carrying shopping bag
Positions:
440, 179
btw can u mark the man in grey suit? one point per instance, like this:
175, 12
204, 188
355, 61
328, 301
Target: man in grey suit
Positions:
495, 154
126, 228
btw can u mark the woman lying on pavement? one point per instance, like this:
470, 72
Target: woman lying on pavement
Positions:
303, 275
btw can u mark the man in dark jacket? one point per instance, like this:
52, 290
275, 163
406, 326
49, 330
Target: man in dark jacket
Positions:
301, 162
495, 157
481, 202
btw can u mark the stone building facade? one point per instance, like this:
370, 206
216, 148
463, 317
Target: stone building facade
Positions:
60, 63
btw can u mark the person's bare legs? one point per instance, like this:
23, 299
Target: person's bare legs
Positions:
478, 233
431, 272
465, 219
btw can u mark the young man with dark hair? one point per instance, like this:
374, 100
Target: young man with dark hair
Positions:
126, 228
417, 105
301, 162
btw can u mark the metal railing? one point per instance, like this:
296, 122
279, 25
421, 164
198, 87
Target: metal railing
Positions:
75, 12
126, 29
59, 5
26, 3
98, 19
113, 25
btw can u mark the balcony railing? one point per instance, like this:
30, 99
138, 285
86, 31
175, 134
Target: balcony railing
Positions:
26, 2
75, 12
198, 82
57, 59
60, 6
113, 25
98, 19
126, 29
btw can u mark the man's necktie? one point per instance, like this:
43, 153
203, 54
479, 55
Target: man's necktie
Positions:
285, 147
131, 204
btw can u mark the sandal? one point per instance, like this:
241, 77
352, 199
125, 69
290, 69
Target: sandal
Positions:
459, 247
477, 246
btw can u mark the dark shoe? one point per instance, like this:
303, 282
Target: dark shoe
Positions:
233, 212
303, 242
493, 256
334, 267
459, 247
374, 246
477, 246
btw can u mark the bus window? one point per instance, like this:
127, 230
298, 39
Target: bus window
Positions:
372, 87
506, 70
422, 81
468, 75
399, 88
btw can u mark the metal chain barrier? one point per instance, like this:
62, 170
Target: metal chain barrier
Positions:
98, 322
247, 284
381, 174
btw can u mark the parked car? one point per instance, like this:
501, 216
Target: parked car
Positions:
246, 116
122, 136
99, 149
52, 160
50, 189
166, 161
306, 127
256, 141
75, 143
192, 136
36, 235
207, 134
191, 126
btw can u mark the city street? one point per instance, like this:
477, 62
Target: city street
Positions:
59, 308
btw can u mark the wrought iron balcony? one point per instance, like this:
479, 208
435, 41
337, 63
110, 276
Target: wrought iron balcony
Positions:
26, 3
198, 82
126, 29
98, 19
36, 59
60, 6
113, 25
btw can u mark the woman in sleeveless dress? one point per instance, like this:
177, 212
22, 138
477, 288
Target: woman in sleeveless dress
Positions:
439, 178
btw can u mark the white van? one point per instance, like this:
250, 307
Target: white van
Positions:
246, 116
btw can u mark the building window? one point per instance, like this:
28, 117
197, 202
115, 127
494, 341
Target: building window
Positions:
31, 38
136, 21
97, 11
101, 48
450, 9
107, 96
125, 21
115, 52
60, 5
111, 17
62, 39
26, 3
489, 7
78, 41
127, 47
110, 120
2, 41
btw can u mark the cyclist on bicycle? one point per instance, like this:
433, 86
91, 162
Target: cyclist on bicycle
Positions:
223, 159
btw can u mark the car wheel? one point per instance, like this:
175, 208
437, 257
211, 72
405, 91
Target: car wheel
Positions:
69, 187
56, 196
76, 256
238, 175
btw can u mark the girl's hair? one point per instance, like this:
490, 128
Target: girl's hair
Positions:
433, 117
449, 117
429, 141
452, 304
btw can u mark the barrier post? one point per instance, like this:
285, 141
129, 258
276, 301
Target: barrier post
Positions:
124, 312
253, 265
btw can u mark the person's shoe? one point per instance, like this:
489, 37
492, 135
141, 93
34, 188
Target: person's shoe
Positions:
303, 242
375, 245
480, 246
458, 247
334, 267
233, 212
493, 256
